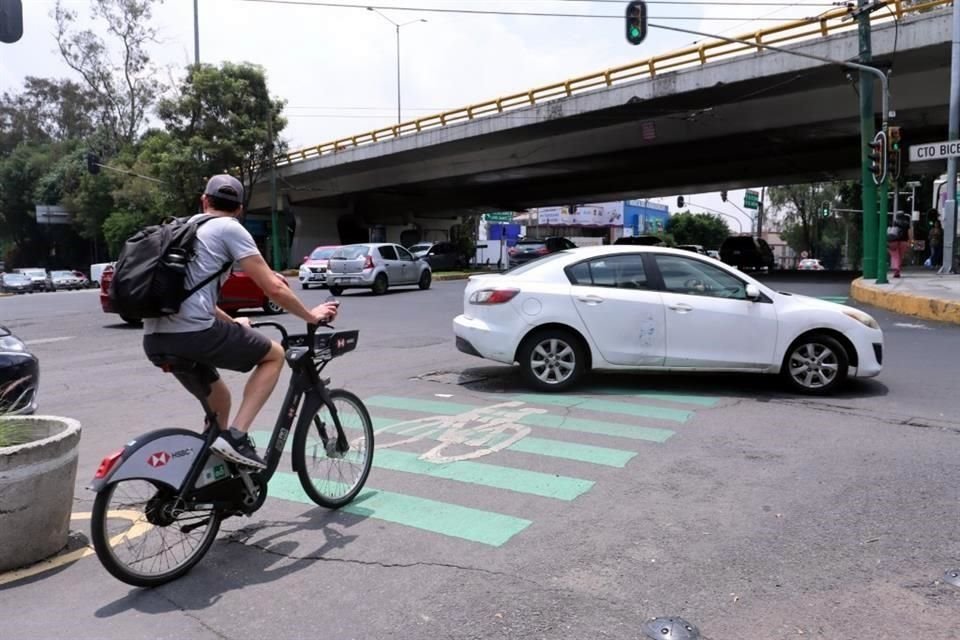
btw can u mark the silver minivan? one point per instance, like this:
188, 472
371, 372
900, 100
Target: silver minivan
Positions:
376, 266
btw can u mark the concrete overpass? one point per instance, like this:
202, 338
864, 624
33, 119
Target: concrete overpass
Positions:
707, 118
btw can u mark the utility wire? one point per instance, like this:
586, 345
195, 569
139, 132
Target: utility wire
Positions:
343, 5
734, 3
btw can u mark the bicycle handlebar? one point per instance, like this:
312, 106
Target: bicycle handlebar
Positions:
311, 330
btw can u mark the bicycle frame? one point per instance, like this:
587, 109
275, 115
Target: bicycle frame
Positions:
173, 460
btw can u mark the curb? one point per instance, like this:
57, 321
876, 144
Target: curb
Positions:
910, 304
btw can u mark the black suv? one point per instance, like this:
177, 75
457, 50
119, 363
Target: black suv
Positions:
746, 252
645, 241
529, 249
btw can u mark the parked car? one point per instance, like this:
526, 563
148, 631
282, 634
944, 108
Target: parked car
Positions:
747, 252
643, 241
713, 253
96, 270
85, 282
444, 256
811, 264
237, 293
376, 266
313, 271
39, 277
65, 280
420, 249
19, 375
531, 249
16, 283
656, 308
692, 248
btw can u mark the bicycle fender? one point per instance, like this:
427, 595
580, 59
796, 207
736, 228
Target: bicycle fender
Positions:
163, 456
312, 401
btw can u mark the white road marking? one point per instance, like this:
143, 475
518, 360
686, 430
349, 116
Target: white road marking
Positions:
910, 325
48, 340
444, 395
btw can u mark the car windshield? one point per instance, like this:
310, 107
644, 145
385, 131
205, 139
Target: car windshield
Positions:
530, 244
62, 274
351, 252
14, 278
34, 272
420, 247
536, 264
322, 254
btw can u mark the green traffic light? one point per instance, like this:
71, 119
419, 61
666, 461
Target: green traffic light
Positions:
634, 32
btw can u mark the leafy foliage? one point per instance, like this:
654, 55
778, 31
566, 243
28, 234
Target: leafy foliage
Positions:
704, 229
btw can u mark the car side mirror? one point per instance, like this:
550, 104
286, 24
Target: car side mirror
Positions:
753, 292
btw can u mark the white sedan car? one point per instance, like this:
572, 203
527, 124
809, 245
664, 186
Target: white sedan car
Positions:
653, 308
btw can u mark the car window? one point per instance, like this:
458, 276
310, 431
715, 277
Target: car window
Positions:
621, 272
404, 255
351, 252
387, 253
693, 277
535, 264
420, 247
322, 254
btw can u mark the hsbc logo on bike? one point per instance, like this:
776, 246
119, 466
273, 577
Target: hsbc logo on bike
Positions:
343, 342
157, 460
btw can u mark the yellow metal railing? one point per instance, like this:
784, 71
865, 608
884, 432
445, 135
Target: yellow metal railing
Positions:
825, 24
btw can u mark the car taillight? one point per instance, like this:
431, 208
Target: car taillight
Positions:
493, 296
368, 264
107, 464
542, 251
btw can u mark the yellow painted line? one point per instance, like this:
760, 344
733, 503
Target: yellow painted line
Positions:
911, 304
67, 558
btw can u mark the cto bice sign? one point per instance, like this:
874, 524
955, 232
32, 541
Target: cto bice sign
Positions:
934, 151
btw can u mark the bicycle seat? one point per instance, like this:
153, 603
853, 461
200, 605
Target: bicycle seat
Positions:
173, 364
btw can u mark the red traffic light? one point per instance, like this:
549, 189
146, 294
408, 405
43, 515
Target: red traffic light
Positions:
636, 22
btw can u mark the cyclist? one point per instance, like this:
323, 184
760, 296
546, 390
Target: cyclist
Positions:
204, 333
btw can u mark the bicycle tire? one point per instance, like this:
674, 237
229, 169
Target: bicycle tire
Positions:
104, 541
309, 458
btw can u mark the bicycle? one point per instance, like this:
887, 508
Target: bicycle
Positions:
176, 491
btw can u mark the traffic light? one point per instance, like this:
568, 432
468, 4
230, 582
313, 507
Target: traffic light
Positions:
723, 196
893, 152
679, 202
11, 21
877, 154
825, 209
93, 163
636, 22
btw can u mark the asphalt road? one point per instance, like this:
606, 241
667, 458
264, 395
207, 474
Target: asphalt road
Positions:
722, 499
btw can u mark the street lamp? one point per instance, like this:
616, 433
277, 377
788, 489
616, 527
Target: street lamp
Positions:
397, 27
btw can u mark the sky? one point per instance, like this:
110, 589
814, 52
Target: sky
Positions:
336, 66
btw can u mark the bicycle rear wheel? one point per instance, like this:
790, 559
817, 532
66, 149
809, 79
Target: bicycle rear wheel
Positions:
331, 476
144, 538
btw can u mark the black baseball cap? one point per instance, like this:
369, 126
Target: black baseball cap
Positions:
226, 187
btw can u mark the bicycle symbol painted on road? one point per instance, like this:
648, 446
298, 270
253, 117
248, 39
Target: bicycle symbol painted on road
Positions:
480, 431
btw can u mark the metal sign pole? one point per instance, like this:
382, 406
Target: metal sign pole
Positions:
949, 216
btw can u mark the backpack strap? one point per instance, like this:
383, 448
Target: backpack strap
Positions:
209, 279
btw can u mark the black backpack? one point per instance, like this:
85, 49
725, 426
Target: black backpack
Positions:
150, 273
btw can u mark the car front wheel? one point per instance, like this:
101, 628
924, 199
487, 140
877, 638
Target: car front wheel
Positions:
380, 284
816, 364
425, 279
552, 359
272, 307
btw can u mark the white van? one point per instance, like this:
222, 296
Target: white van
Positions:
96, 270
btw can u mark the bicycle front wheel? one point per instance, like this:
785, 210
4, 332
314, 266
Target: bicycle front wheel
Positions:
145, 537
332, 471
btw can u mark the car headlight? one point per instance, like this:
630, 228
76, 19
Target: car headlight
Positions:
862, 318
9, 343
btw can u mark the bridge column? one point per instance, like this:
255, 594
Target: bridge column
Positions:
315, 226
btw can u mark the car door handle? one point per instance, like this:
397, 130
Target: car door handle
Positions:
590, 299
680, 307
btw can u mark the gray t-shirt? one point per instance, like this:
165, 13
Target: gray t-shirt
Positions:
219, 241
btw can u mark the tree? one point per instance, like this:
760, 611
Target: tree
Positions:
20, 173
800, 207
46, 110
707, 230
127, 88
223, 120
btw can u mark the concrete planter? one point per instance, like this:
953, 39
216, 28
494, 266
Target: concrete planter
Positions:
36, 489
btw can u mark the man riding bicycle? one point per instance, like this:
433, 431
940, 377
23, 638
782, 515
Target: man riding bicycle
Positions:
204, 333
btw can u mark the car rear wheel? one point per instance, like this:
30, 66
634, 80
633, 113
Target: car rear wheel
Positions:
336, 291
815, 364
272, 307
134, 322
425, 280
380, 284
552, 359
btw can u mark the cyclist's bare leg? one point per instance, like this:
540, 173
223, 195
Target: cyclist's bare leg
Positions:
219, 401
259, 387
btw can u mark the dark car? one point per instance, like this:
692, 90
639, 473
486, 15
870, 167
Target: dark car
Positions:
647, 241
444, 256
16, 283
747, 252
19, 376
529, 249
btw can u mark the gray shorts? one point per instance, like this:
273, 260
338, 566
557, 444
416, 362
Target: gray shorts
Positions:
225, 345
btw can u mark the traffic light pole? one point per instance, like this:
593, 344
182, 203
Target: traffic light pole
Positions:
884, 194
868, 187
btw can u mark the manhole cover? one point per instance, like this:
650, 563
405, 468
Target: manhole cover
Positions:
670, 628
952, 577
451, 377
